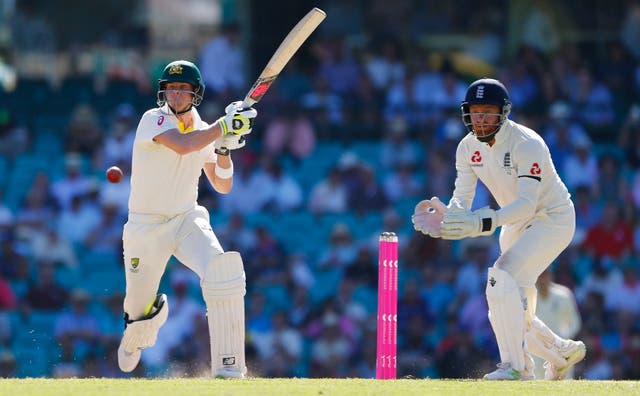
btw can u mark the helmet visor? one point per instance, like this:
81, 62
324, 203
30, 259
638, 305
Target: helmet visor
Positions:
482, 119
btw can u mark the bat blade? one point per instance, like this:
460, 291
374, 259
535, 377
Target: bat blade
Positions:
291, 43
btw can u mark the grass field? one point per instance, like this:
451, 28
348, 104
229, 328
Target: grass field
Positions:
303, 387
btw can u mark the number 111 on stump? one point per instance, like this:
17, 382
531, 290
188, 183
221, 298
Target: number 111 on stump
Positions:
387, 306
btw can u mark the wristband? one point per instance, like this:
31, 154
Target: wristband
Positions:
224, 173
222, 151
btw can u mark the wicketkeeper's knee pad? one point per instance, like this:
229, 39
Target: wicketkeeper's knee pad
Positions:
143, 333
223, 289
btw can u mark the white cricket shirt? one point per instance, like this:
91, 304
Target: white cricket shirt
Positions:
164, 182
516, 169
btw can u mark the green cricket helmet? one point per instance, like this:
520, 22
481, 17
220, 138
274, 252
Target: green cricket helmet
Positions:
181, 71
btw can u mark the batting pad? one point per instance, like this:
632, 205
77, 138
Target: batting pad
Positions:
506, 315
143, 333
542, 342
223, 289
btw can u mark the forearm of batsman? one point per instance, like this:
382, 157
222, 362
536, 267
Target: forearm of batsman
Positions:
524, 206
185, 143
222, 185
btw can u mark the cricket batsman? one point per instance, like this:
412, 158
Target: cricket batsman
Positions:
537, 221
172, 147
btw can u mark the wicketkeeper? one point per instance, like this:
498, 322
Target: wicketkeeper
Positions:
537, 221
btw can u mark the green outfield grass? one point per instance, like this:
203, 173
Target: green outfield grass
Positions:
311, 387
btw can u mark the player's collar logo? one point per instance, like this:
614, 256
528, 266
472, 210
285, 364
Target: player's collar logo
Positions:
175, 69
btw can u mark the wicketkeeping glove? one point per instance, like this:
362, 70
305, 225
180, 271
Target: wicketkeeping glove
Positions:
428, 215
459, 223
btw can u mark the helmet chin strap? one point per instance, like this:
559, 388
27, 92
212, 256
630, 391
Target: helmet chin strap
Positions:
487, 138
179, 113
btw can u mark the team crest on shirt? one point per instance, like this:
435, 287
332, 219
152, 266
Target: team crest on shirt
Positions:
135, 262
507, 164
476, 159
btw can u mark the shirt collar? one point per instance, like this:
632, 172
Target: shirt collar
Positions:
503, 132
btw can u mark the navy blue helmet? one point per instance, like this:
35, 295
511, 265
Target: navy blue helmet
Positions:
486, 91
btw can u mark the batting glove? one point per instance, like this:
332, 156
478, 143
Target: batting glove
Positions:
237, 121
231, 142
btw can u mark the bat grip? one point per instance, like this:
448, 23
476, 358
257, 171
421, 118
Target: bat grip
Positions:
246, 103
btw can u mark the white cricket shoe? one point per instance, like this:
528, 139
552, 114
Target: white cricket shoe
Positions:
506, 373
229, 373
128, 361
573, 352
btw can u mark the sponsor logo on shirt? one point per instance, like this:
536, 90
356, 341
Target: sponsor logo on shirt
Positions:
476, 159
160, 120
535, 169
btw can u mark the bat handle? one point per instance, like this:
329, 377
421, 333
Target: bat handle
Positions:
247, 102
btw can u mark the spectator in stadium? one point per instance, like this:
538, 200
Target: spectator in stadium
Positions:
612, 236
221, 58
45, 293
77, 327
328, 195
290, 132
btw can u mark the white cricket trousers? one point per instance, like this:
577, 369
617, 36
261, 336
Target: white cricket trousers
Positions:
526, 251
150, 240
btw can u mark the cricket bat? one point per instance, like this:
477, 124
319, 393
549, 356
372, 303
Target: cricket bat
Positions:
300, 32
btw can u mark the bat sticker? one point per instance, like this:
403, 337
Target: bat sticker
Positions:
260, 87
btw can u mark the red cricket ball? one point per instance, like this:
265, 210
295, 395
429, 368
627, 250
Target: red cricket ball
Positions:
114, 174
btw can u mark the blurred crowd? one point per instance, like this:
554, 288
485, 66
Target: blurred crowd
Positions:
347, 141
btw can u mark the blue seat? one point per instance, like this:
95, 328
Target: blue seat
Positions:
4, 170
368, 297
91, 262
48, 144
68, 278
104, 283
326, 285
32, 362
19, 287
277, 297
